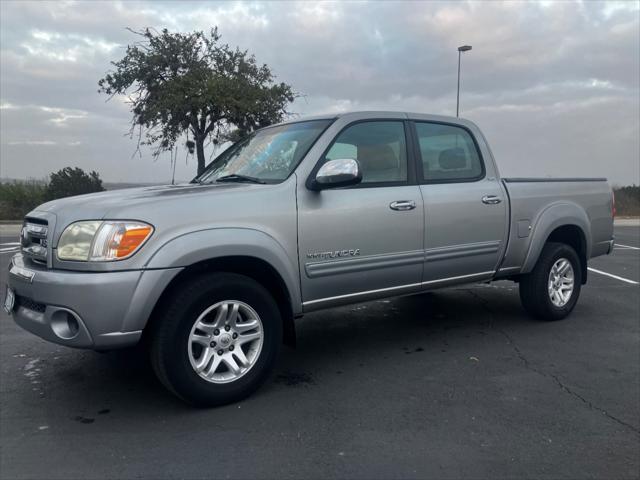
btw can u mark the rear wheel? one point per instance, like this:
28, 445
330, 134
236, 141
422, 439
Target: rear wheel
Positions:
551, 290
217, 339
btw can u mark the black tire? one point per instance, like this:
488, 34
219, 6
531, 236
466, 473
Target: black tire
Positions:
171, 329
534, 293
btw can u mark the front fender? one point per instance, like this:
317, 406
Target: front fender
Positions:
553, 216
194, 247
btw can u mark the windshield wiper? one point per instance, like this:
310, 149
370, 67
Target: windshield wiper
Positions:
234, 177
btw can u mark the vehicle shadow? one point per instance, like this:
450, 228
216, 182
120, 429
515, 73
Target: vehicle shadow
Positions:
337, 340
423, 322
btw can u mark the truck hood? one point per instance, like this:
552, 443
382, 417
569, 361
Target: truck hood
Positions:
115, 204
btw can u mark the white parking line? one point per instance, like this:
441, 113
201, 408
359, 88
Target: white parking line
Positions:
626, 246
9, 247
632, 282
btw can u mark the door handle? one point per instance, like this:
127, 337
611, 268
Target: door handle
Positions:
491, 199
402, 205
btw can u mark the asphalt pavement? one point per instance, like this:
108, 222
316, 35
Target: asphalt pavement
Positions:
458, 383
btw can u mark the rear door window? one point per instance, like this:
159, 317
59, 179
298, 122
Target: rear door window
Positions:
448, 153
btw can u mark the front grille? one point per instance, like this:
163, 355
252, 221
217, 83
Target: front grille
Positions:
33, 239
29, 304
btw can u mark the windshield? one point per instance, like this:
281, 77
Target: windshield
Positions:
268, 155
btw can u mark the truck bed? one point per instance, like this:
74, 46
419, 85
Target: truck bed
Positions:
539, 205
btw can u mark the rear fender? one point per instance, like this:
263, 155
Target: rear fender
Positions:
556, 215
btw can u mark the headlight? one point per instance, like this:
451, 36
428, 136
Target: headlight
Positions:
102, 241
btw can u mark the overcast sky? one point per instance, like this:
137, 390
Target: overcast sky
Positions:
554, 85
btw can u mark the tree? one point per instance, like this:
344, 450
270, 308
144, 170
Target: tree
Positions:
72, 181
179, 83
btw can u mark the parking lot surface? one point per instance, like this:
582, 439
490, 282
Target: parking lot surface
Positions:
456, 383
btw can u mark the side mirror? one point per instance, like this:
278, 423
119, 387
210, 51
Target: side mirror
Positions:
341, 172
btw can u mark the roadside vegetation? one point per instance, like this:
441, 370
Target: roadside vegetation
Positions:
628, 201
18, 197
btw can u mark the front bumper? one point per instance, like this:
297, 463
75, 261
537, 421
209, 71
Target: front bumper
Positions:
97, 310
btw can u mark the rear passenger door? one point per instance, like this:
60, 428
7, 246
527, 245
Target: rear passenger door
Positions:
465, 209
363, 241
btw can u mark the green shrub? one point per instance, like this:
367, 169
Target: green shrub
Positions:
17, 198
72, 181
628, 200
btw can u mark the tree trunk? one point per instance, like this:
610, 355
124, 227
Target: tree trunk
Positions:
200, 152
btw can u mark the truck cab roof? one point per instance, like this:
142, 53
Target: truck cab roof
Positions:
381, 114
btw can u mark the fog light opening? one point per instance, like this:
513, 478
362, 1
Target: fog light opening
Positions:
65, 324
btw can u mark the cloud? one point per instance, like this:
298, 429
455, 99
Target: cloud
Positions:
7, 106
555, 85
65, 47
61, 116
43, 142
33, 142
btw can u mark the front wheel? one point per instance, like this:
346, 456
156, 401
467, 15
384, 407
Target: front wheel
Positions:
217, 339
551, 290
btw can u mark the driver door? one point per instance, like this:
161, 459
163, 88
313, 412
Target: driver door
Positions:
365, 241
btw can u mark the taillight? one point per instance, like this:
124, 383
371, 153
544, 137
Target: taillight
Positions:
613, 204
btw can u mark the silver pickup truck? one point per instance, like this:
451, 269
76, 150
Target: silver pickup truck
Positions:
297, 217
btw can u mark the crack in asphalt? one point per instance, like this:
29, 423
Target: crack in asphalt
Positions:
485, 305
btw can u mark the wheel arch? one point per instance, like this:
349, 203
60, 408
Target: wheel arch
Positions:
565, 223
252, 267
246, 252
573, 236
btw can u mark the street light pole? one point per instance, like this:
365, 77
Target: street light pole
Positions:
461, 49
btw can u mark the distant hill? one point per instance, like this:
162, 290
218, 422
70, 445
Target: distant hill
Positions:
106, 185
